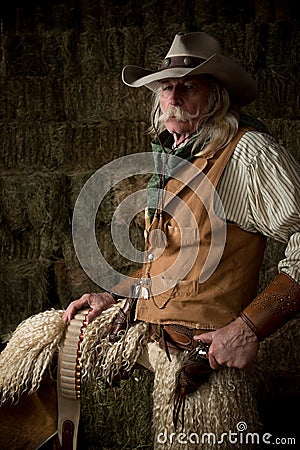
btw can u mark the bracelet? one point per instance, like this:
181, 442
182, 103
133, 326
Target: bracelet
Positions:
251, 325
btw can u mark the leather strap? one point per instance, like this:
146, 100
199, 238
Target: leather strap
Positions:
174, 337
69, 382
181, 61
278, 303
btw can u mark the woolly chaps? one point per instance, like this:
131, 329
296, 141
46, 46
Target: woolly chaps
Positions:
224, 405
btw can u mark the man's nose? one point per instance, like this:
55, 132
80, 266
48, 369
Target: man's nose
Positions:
175, 97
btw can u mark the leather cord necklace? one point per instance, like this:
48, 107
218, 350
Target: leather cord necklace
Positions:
162, 176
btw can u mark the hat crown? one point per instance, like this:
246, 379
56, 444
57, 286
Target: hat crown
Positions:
197, 44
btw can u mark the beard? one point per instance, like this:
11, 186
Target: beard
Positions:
177, 113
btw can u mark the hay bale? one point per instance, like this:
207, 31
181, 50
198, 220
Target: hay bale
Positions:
275, 98
255, 45
128, 187
232, 38
117, 410
204, 13
68, 279
134, 45
24, 290
3, 57
273, 254
104, 97
283, 47
101, 51
35, 217
272, 51
26, 145
95, 15
94, 145
34, 201
287, 133
59, 52
70, 146
25, 55
74, 274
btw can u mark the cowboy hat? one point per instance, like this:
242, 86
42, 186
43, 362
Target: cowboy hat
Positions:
193, 54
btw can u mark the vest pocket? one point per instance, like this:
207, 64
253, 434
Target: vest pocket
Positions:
178, 237
176, 289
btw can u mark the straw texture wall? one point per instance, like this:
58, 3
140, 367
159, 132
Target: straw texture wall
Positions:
64, 113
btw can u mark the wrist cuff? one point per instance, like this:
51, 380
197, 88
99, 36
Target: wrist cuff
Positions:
278, 303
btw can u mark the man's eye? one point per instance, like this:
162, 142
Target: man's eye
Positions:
167, 88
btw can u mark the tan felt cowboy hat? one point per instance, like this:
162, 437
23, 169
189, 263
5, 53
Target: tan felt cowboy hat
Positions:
193, 54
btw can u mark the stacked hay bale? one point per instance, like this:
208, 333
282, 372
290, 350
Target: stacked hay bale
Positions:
65, 113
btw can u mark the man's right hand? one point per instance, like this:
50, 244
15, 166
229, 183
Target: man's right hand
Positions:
98, 303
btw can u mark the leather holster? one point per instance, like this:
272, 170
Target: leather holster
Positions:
174, 337
278, 303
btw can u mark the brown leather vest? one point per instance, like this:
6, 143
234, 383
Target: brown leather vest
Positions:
186, 287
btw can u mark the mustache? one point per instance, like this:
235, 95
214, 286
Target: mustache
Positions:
177, 113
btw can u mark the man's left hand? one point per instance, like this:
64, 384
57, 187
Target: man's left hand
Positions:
234, 345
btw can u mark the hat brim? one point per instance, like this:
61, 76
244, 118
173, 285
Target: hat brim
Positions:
242, 88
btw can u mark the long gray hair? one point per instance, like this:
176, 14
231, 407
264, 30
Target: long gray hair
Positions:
216, 127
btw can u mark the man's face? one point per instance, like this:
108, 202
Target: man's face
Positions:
183, 101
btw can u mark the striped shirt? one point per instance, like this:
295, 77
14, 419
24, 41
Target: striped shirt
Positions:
260, 192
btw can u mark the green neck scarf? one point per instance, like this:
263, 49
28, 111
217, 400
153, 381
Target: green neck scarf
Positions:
166, 166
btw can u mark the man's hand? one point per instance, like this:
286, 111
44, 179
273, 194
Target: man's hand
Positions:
97, 302
235, 345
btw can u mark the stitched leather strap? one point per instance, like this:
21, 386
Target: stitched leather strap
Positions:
68, 382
